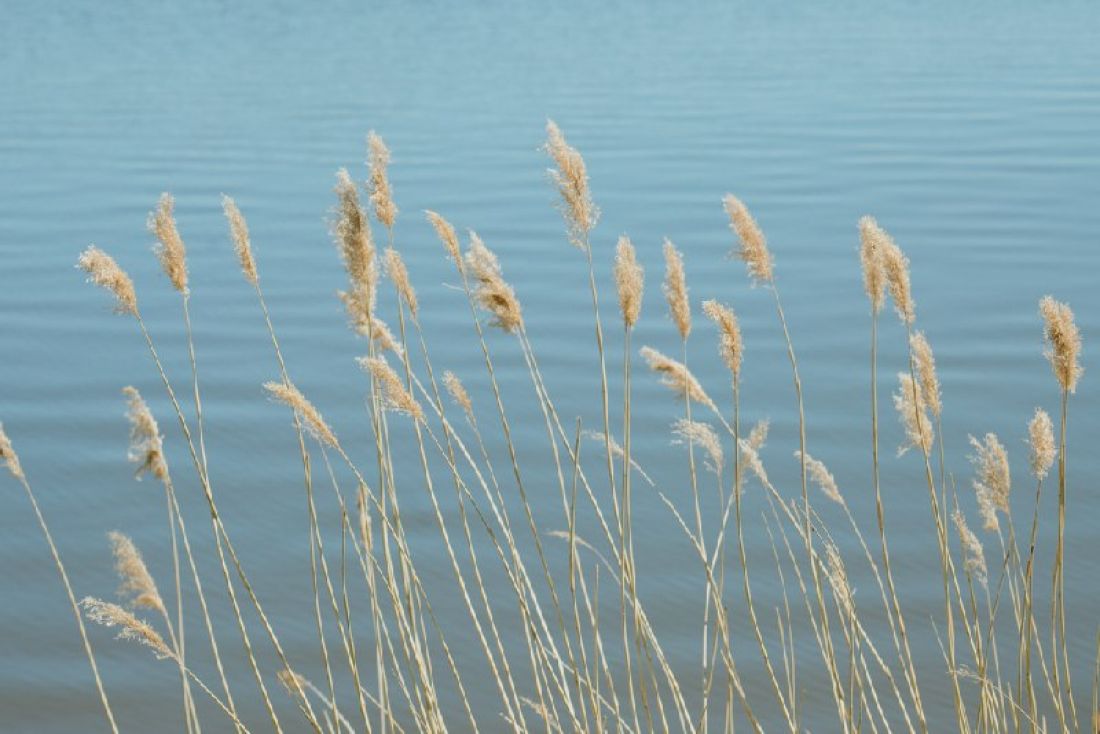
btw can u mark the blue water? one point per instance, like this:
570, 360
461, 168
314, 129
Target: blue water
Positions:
969, 132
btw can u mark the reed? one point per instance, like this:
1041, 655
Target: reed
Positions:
556, 655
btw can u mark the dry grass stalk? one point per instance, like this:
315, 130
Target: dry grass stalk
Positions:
288, 394
822, 477
137, 583
447, 235
913, 413
242, 243
396, 396
491, 291
872, 241
629, 280
571, 178
399, 274
130, 627
994, 477
169, 248
1040, 431
750, 457
926, 372
676, 376
896, 268
1063, 342
838, 579
972, 547
146, 443
676, 290
701, 434
754, 247
103, 271
458, 393
8, 455
378, 160
730, 345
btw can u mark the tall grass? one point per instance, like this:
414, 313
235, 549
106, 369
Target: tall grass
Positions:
558, 655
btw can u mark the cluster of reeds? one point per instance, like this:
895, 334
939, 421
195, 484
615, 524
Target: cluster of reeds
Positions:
573, 659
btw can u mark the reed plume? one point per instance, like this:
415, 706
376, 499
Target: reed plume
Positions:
381, 196
399, 274
676, 377
972, 547
242, 243
1063, 342
394, 393
169, 248
838, 579
291, 396
1040, 431
103, 271
447, 235
758, 435
872, 240
137, 583
754, 247
491, 291
458, 393
571, 178
356, 245
991, 463
701, 434
146, 443
926, 372
822, 477
895, 266
676, 290
8, 455
750, 457
730, 345
629, 281
130, 626
913, 413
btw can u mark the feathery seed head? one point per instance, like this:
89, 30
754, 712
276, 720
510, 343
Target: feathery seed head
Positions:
872, 242
447, 235
822, 477
394, 393
146, 443
380, 194
137, 583
926, 372
458, 393
750, 456
1063, 342
758, 436
571, 178
972, 547
676, 377
169, 248
895, 266
629, 280
838, 579
353, 235
130, 627
291, 396
704, 435
242, 243
491, 291
754, 247
8, 455
912, 410
991, 463
399, 274
730, 345
103, 271
676, 290
1040, 433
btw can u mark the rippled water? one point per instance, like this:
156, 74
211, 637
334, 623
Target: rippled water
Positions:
971, 133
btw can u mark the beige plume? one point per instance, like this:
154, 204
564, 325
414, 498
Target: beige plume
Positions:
103, 271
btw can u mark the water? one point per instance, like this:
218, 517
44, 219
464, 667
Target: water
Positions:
969, 132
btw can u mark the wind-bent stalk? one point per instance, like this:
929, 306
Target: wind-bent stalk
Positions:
11, 460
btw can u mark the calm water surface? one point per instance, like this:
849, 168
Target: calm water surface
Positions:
971, 133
